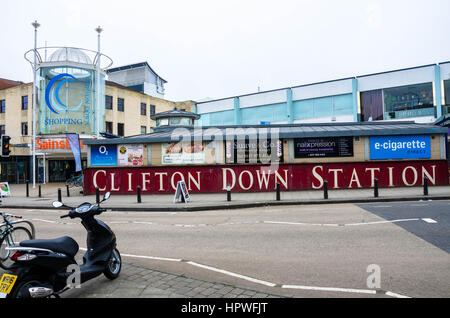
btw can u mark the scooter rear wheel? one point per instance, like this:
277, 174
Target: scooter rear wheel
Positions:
114, 266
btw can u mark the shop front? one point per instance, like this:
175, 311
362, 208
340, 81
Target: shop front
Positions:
55, 160
15, 169
297, 157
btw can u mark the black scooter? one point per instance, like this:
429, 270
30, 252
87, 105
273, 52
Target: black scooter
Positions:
41, 266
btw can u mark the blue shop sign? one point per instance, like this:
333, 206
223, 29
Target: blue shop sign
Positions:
400, 147
104, 156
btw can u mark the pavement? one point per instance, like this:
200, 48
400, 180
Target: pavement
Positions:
139, 281
215, 201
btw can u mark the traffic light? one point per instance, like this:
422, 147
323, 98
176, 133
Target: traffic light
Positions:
6, 147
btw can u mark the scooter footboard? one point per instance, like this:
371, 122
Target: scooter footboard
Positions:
89, 271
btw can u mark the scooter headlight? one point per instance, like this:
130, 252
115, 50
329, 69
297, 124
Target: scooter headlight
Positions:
83, 208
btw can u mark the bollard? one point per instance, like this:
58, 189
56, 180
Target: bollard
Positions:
59, 195
139, 194
425, 186
97, 195
228, 193
278, 192
67, 189
28, 188
39, 192
375, 188
325, 190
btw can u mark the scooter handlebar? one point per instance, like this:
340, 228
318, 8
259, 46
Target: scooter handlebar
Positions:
64, 216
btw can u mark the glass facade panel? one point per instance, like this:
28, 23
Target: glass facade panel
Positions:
343, 104
323, 107
218, 119
303, 109
266, 113
408, 101
68, 100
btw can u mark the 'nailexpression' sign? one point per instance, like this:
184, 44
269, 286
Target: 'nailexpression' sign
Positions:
400, 147
323, 147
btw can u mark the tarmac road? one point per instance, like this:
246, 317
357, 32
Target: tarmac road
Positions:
304, 251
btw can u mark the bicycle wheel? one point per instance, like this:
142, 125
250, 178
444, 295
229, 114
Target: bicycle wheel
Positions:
17, 235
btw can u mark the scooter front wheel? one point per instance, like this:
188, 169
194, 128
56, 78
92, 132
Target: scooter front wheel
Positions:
114, 265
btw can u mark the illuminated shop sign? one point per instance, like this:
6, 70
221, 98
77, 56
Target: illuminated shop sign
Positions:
182, 153
323, 147
400, 147
131, 155
104, 156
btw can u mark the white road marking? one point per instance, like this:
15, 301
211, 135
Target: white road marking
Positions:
250, 279
391, 294
428, 220
382, 222
298, 223
332, 289
153, 258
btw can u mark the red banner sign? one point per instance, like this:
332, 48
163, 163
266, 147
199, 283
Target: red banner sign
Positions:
261, 178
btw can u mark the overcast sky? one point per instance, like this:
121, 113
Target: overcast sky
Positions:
217, 49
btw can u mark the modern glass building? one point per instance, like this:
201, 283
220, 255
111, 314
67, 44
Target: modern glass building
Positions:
420, 94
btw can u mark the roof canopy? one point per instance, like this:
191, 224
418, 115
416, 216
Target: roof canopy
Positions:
173, 134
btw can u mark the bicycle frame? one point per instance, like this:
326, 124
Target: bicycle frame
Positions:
8, 225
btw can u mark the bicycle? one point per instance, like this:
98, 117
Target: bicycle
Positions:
75, 181
12, 236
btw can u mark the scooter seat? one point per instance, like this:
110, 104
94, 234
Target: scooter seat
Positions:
65, 245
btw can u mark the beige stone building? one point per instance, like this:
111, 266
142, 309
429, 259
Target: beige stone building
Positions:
127, 113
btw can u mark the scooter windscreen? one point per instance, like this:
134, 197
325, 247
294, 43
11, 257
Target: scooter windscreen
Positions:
85, 207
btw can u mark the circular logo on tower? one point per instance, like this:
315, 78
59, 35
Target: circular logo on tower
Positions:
52, 99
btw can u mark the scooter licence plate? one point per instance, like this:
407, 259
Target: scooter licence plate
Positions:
6, 284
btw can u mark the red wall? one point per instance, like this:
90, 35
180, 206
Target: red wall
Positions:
257, 178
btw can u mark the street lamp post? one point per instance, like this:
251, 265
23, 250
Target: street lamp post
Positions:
98, 30
36, 25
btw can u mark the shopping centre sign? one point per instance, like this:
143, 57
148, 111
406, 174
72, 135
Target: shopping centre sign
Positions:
243, 178
67, 100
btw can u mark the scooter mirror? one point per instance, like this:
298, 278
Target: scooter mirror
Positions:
106, 196
57, 204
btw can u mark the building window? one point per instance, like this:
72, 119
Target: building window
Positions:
143, 109
108, 102
120, 104
372, 105
152, 110
120, 129
2, 106
2, 130
447, 97
408, 101
109, 127
25, 129
24, 102
143, 130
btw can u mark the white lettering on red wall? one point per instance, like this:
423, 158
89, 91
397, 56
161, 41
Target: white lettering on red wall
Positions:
260, 178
